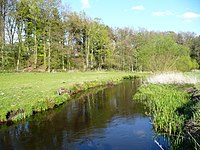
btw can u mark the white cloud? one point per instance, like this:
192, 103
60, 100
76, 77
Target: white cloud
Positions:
85, 4
138, 8
162, 13
190, 15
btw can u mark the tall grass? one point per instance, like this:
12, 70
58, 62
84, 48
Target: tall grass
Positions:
173, 110
163, 102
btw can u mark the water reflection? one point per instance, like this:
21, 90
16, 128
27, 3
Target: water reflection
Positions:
105, 119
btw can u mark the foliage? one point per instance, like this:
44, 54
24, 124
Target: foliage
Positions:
185, 64
195, 48
43, 35
162, 53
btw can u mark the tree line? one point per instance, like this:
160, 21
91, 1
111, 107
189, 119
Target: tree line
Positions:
43, 35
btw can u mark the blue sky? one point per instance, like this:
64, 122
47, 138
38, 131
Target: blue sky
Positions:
157, 15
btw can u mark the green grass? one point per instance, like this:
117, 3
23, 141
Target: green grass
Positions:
163, 102
174, 111
196, 118
23, 93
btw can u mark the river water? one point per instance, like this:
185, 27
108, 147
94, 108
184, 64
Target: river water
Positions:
103, 119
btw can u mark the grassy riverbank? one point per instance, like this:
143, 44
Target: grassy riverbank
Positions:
22, 94
174, 106
163, 102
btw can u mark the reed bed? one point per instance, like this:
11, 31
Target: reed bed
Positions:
173, 107
163, 102
172, 78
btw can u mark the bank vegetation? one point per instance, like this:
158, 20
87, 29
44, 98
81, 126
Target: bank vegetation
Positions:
173, 101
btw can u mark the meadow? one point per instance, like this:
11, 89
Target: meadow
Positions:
22, 94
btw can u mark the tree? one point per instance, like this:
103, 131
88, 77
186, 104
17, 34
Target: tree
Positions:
21, 10
97, 45
162, 53
39, 35
126, 45
3, 13
73, 36
195, 49
89, 38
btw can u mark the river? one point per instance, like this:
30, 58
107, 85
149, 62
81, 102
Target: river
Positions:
105, 119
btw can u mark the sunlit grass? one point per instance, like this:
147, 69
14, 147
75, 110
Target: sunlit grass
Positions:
24, 93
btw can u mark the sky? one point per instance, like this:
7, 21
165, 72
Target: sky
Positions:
156, 15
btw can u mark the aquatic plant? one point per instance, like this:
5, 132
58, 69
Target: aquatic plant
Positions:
174, 103
163, 102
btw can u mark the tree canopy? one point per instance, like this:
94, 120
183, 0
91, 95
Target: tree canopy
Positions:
162, 53
43, 35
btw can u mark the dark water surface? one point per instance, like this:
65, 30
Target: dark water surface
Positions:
106, 119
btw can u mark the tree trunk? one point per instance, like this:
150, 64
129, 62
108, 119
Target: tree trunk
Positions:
136, 62
49, 53
63, 60
45, 61
87, 54
132, 68
20, 47
18, 58
35, 61
2, 52
123, 62
2, 29
49, 58
2, 56
91, 59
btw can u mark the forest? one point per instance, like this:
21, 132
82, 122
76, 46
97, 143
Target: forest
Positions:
44, 35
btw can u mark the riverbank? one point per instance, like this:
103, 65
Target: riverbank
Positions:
174, 107
23, 94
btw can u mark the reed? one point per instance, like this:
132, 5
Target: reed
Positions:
173, 110
172, 78
163, 102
